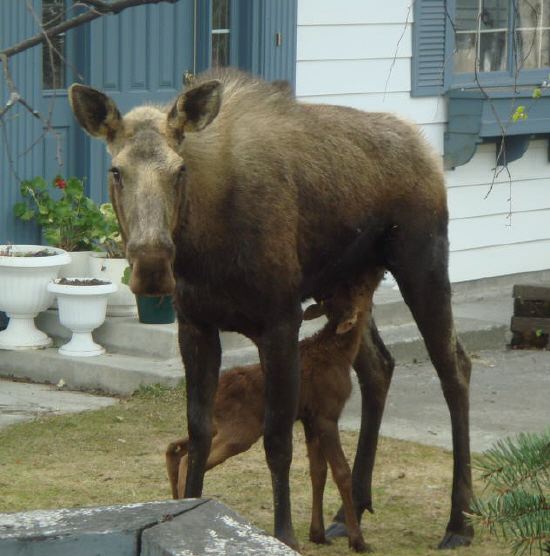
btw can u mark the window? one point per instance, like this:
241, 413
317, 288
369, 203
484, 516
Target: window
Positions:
494, 36
220, 33
53, 55
465, 43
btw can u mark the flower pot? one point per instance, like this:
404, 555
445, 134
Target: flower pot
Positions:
82, 309
156, 309
123, 302
79, 266
3, 320
24, 294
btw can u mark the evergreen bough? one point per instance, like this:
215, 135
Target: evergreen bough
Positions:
516, 505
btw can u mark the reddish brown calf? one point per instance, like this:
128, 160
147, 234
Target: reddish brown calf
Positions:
326, 359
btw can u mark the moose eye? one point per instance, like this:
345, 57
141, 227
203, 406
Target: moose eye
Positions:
115, 172
181, 171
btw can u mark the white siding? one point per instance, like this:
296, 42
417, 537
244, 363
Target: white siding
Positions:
358, 53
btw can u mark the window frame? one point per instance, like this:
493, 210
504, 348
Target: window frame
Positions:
494, 78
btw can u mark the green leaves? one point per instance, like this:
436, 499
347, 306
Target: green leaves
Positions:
69, 218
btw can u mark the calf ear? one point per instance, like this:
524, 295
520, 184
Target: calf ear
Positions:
346, 325
314, 311
195, 108
95, 112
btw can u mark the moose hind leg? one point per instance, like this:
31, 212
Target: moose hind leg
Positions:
374, 368
423, 279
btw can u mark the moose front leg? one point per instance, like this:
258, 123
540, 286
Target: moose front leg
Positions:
278, 349
201, 353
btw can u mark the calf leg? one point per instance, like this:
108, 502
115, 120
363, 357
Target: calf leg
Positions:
278, 348
175, 451
201, 354
374, 368
333, 453
223, 447
423, 279
318, 476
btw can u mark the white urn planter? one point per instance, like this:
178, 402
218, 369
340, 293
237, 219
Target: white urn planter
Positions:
122, 303
82, 309
79, 266
24, 294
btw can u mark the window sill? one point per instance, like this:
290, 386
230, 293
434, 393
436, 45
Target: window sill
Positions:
476, 116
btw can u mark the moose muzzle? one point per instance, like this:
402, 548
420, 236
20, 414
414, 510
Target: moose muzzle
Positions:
152, 271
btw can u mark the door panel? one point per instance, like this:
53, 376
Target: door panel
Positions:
137, 56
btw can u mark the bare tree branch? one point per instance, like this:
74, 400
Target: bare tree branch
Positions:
15, 96
98, 8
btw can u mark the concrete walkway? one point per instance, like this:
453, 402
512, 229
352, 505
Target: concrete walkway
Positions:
510, 393
21, 401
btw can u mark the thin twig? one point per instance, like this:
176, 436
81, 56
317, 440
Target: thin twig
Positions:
409, 8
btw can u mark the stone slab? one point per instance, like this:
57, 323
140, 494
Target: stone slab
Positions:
211, 528
105, 531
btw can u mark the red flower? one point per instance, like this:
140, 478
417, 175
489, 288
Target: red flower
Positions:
60, 183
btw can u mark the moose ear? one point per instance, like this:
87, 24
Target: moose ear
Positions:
195, 108
314, 311
346, 325
95, 112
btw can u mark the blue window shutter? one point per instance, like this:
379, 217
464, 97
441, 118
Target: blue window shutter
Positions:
429, 47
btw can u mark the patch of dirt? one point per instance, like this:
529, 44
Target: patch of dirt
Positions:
84, 282
41, 253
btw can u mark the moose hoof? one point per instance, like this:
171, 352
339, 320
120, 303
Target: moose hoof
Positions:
318, 537
454, 540
336, 529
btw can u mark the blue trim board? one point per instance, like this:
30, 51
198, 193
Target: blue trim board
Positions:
479, 116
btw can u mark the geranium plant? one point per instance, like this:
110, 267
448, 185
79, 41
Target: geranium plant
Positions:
111, 240
69, 219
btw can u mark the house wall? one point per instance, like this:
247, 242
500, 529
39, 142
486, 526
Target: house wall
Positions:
358, 53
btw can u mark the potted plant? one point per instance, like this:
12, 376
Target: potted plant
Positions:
82, 307
25, 271
109, 265
152, 309
68, 218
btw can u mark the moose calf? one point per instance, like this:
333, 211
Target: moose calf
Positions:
239, 408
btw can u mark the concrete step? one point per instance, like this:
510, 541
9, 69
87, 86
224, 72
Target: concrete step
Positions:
120, 373
113, 373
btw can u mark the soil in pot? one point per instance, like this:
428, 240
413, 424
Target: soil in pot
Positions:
42, 253
156, 309
81, 282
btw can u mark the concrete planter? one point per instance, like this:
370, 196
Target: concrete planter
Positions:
24, 294
81, 309
122, 303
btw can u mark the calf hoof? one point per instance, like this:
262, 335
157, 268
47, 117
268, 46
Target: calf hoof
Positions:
454, 540
359, 545
336, 529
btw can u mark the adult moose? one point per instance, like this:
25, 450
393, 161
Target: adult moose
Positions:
247, 202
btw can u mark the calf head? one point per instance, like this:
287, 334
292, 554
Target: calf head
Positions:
344, 308
147, 178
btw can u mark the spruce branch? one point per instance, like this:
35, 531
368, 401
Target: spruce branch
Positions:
517, 502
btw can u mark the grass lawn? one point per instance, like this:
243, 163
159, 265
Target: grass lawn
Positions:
116, 455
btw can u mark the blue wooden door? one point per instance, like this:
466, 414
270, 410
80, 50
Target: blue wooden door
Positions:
135, 57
